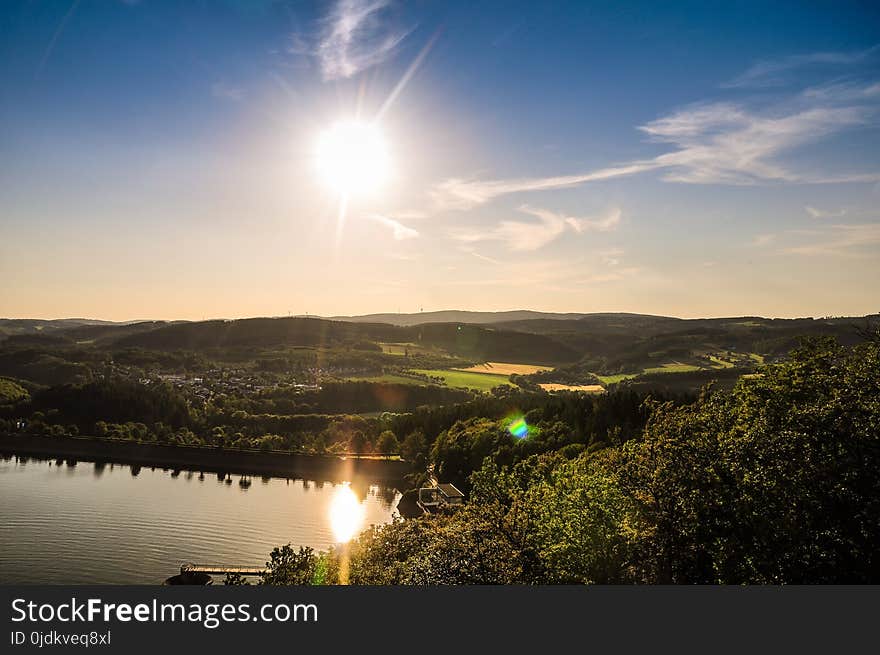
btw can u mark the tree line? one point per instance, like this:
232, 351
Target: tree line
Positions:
773, 482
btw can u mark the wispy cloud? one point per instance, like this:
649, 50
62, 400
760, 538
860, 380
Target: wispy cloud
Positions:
712, 143
762, 240
532, 235
400, 231
485, 258
613, 275
354, 38
227, 91
723, 143
824, 213
408, 215
611, 257
848, 91
773, 72
457, 193
540, 275
59, 30
838, 240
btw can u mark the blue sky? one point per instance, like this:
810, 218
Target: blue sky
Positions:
688, 159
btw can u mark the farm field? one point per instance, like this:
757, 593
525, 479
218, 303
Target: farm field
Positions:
585, 388
717, 362
674, 367
403, 348
504, 368
466, 379
617, 377
390, 378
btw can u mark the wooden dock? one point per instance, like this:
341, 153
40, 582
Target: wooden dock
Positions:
221, 569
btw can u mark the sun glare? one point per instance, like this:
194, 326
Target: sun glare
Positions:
346, 514
352, 158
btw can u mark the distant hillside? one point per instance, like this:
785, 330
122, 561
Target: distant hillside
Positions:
109, 331
13, 326
631, 343
257, 332
468, 341
665, 353
455, 316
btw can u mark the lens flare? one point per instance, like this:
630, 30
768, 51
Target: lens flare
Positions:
518, 428
346, 514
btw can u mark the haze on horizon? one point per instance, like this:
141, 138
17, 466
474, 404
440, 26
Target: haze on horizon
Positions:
189, 160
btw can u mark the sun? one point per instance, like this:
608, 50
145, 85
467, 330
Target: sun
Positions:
353, 158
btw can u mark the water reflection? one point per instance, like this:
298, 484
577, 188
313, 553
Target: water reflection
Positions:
127, 524
346, 514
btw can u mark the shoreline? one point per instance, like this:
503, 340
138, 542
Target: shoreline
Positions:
211, 460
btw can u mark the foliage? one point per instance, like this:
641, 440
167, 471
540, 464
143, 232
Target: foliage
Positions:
775, 482
462, 448
287, 566
115, 400
11, 392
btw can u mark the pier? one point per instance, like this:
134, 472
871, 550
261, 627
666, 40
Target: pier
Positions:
221, 569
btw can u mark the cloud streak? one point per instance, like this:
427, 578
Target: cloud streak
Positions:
457, 193
712, 143
824, 213
773, 72
723, 143
762, 240
839, 240
355, 38
400, 231
56, 35
227, 91
532, 235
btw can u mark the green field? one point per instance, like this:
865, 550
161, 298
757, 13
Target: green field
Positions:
717, 362
674, 367
614, 379
389, 378
465, 379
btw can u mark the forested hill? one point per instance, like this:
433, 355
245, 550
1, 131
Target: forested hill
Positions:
456, 316
258, 332
17, 326
616, 346
469, 341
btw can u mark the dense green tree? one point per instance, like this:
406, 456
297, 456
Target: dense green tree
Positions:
287, 566
461, 449
414, 449
387, 443
775, 482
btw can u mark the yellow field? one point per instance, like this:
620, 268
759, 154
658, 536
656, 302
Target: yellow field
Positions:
585, 388
505, 368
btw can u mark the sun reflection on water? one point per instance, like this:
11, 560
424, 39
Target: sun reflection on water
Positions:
347, 514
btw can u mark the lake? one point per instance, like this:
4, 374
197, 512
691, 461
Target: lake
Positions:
67, 522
